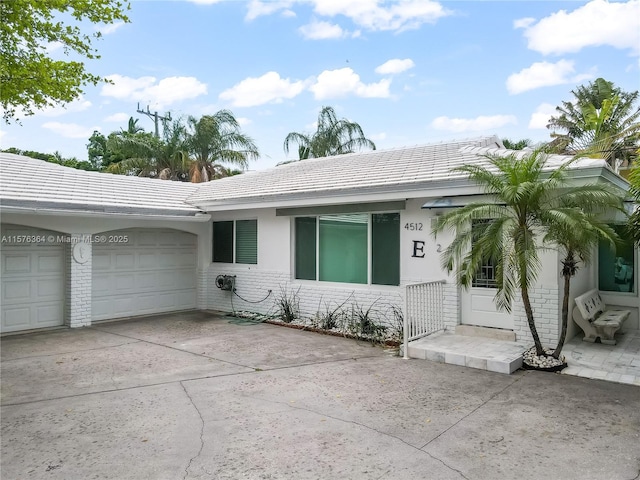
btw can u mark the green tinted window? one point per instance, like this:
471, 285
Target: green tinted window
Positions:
616, 268
223, 242
343, 248
305, 231
385, 246
247, 241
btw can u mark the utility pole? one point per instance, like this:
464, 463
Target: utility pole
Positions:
155, 117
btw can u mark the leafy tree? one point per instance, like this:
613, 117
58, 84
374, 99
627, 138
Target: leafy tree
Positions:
601, 121
215, 139
516, 144
55, 157
332, 137
509, 230
30, 78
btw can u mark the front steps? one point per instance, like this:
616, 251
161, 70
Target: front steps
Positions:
474, 351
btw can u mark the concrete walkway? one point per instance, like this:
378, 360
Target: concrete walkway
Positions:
193, 397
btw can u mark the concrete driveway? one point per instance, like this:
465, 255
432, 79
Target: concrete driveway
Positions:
191, 396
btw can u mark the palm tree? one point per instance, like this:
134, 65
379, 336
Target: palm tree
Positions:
332, 137
578, 234
148, 156
602, 122
634, 220
516, 145
215, 139
525, 202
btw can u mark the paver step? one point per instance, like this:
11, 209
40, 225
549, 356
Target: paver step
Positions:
469, 351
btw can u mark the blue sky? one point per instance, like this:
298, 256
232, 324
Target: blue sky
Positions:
410, 72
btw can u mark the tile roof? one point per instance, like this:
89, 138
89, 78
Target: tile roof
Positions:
396, 170
342, 174
30, 183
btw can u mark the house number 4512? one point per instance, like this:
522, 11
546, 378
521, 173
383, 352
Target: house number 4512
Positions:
413, 226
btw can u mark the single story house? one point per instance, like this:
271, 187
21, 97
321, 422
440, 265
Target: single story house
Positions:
80, 247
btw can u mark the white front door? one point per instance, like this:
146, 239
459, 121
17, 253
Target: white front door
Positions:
478, 304
142, 272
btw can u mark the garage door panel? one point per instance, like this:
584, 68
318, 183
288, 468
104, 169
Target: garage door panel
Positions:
16, 318
46, 315
123, 283
149, 260
100, 261
48, 287
16, 263
49, 263
16, 291
145, 275
124, 261
150, 281
185, 279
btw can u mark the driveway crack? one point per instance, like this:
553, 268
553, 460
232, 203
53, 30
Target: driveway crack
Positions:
385, 434
186, 470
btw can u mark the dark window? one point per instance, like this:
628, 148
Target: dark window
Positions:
223, 242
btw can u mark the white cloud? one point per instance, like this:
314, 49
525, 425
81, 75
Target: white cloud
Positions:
110, 28
77, 105
118, 117
369, 14
397, 16
523, 22
344, 81
204, 2
543, 74
478, 124
160, 94
395, 65
269, 88
599, 22
378, 136
244, 121
321, 31
258, 8
70, 130
540, 118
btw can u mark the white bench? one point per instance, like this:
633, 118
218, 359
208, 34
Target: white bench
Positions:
591, 314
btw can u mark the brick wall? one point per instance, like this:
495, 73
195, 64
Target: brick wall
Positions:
78, 291
254, 285
545, 303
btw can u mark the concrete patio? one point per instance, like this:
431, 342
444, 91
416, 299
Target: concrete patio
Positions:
191, 396
617, 363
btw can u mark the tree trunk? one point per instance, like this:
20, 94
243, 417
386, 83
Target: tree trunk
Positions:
532, 324
565, 317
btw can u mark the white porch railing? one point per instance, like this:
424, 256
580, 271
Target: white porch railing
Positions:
423, 311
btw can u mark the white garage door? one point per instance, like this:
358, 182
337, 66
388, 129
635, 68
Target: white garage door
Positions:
143, 271
32, 283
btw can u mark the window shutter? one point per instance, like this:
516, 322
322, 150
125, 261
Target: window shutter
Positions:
247, 241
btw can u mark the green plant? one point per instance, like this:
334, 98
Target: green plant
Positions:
288, 305
364, 324
397, 326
